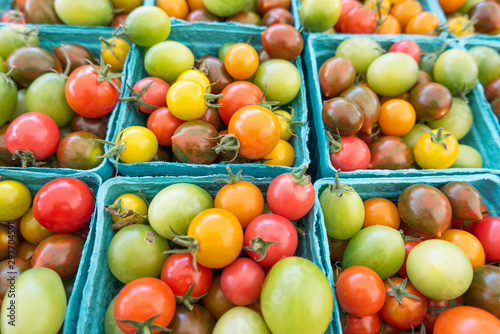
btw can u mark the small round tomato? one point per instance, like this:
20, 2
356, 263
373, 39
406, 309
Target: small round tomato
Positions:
360, 291
125, 203
141, 144
241, 281
397, 117
280, 78
186, 100
468, 243
241, 61
15, 200
404, 11
33, 231
114, 51
424, 23
360, 20
439, 150
282, 41
197, 76
466, 319
142, 299
407, 46
174, 8
80, 150
235, 96
215, 301
219, 236
460, 26
155, 95
380, 211
350, 153
364, 325
282, 155
389, 26
488, 232
450, 6
163, 124
64, 205
229, 198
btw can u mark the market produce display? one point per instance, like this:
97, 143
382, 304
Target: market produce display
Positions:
390, 105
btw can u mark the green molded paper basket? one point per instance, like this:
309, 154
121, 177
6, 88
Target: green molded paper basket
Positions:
102, 286
484, 134
207, 39
34, 181
390, 188
51, 36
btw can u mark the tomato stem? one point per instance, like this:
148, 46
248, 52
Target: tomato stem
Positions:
128, 217
290, 122
68, 62
227, 142
259, 245
299, 177
115, 151
266, 104
191, 244
339, 188
233, 179
136, 97
438, 137
144, 327
26, 158
399, 291
109, 45
188, 299
210, 97
335, 145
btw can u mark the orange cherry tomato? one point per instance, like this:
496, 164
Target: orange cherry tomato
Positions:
241, 61
32, 230
229, 198
380, 211
257, 129
468, 243
174, 8
390, 26
405, 11
195, 4
397, 117
424, 23
374, 5
219, 235
449, 6
26, 250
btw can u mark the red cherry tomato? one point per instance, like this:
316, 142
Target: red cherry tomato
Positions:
365, 325
155, 95
241, 281
237, 95
270, 228
354, 154
298, 190
33, 131
163, 124
409, 245
407, 46
488, 233
361, 20
63, 205
465, 320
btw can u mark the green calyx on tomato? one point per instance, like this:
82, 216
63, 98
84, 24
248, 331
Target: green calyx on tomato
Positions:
145, 326
334, 144
291, 124
338, 188
399, 291
191, 246
136, 97
105, 75
259, 245
188, 300
227, 143
299, 176
126, 216
438, 137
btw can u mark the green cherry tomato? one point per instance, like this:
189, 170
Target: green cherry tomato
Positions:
21, 104
147, 25
392, 74
224, 8
14, 36
458, 120
167, 60
15, 200
488, 63
84, 13
361, 51
319, 15
414, 134
457, 70
468, 157
241, 319
110, 324
282, 79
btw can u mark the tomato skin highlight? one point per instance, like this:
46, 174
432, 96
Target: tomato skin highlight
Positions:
241, 281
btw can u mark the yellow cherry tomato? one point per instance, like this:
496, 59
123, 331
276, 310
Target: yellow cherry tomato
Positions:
467, 242
219, 235
114, 51
197, 76
282, 155
384, 6
132, 202
126, 5
15, 200
141, 144
460, 26
31, 229
437, 151
186, 100
285, 118
241, 61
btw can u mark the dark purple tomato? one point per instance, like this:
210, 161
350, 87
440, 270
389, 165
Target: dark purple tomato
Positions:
246, 18
282, 41
335, 76
492, 89
487, 14
431, 101
78, 150
342, 116
41, 11
77, 55
97, 126
197, 321
201, 15
368, 102
212, 116
263, 6
465, 200
191, 142
277, 15
484, 292
31, 62
390, 152
216, 72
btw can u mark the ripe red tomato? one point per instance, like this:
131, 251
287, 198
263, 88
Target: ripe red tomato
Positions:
488, 233
273, 228
63, 205
179, 273
237, 95
88, 96
466, 320
361, 20
347, 6
404, 307
155, 95
407, 46
360, 291
409, 245
35, 132
142, 299
163, 124
291, 195
13, 16
241, 281
353, 154
365, 325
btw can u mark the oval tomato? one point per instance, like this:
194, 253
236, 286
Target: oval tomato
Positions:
466, 319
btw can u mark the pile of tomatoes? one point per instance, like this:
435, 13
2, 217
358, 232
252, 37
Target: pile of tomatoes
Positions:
379, 123
466, 17
230, 108
223, 259
258, 12
370, 17
41, 245
442, 256
488, 60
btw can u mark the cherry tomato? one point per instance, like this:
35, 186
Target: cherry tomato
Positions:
142, 299
488, 232
430, 153
25, 251
380, 211
241, 281
219, 235
346, 7
235, 96
365, 325
63, 205
186, 100
409, 245
407, 46
460, 26
353, 154
174, 8
360, 291
155, 95
450, 6
282, 41
127, 202
397, 117
282, 155
179, 273
90, 96
163, 124
297, 188
424, 23
257, 129
389, 26
142, 144
114, 51
466, 319
404, 11
27, 131
468, 243
272, 228
15, 200
215, 301
229, 198
32, 230
361, 20
241, 61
